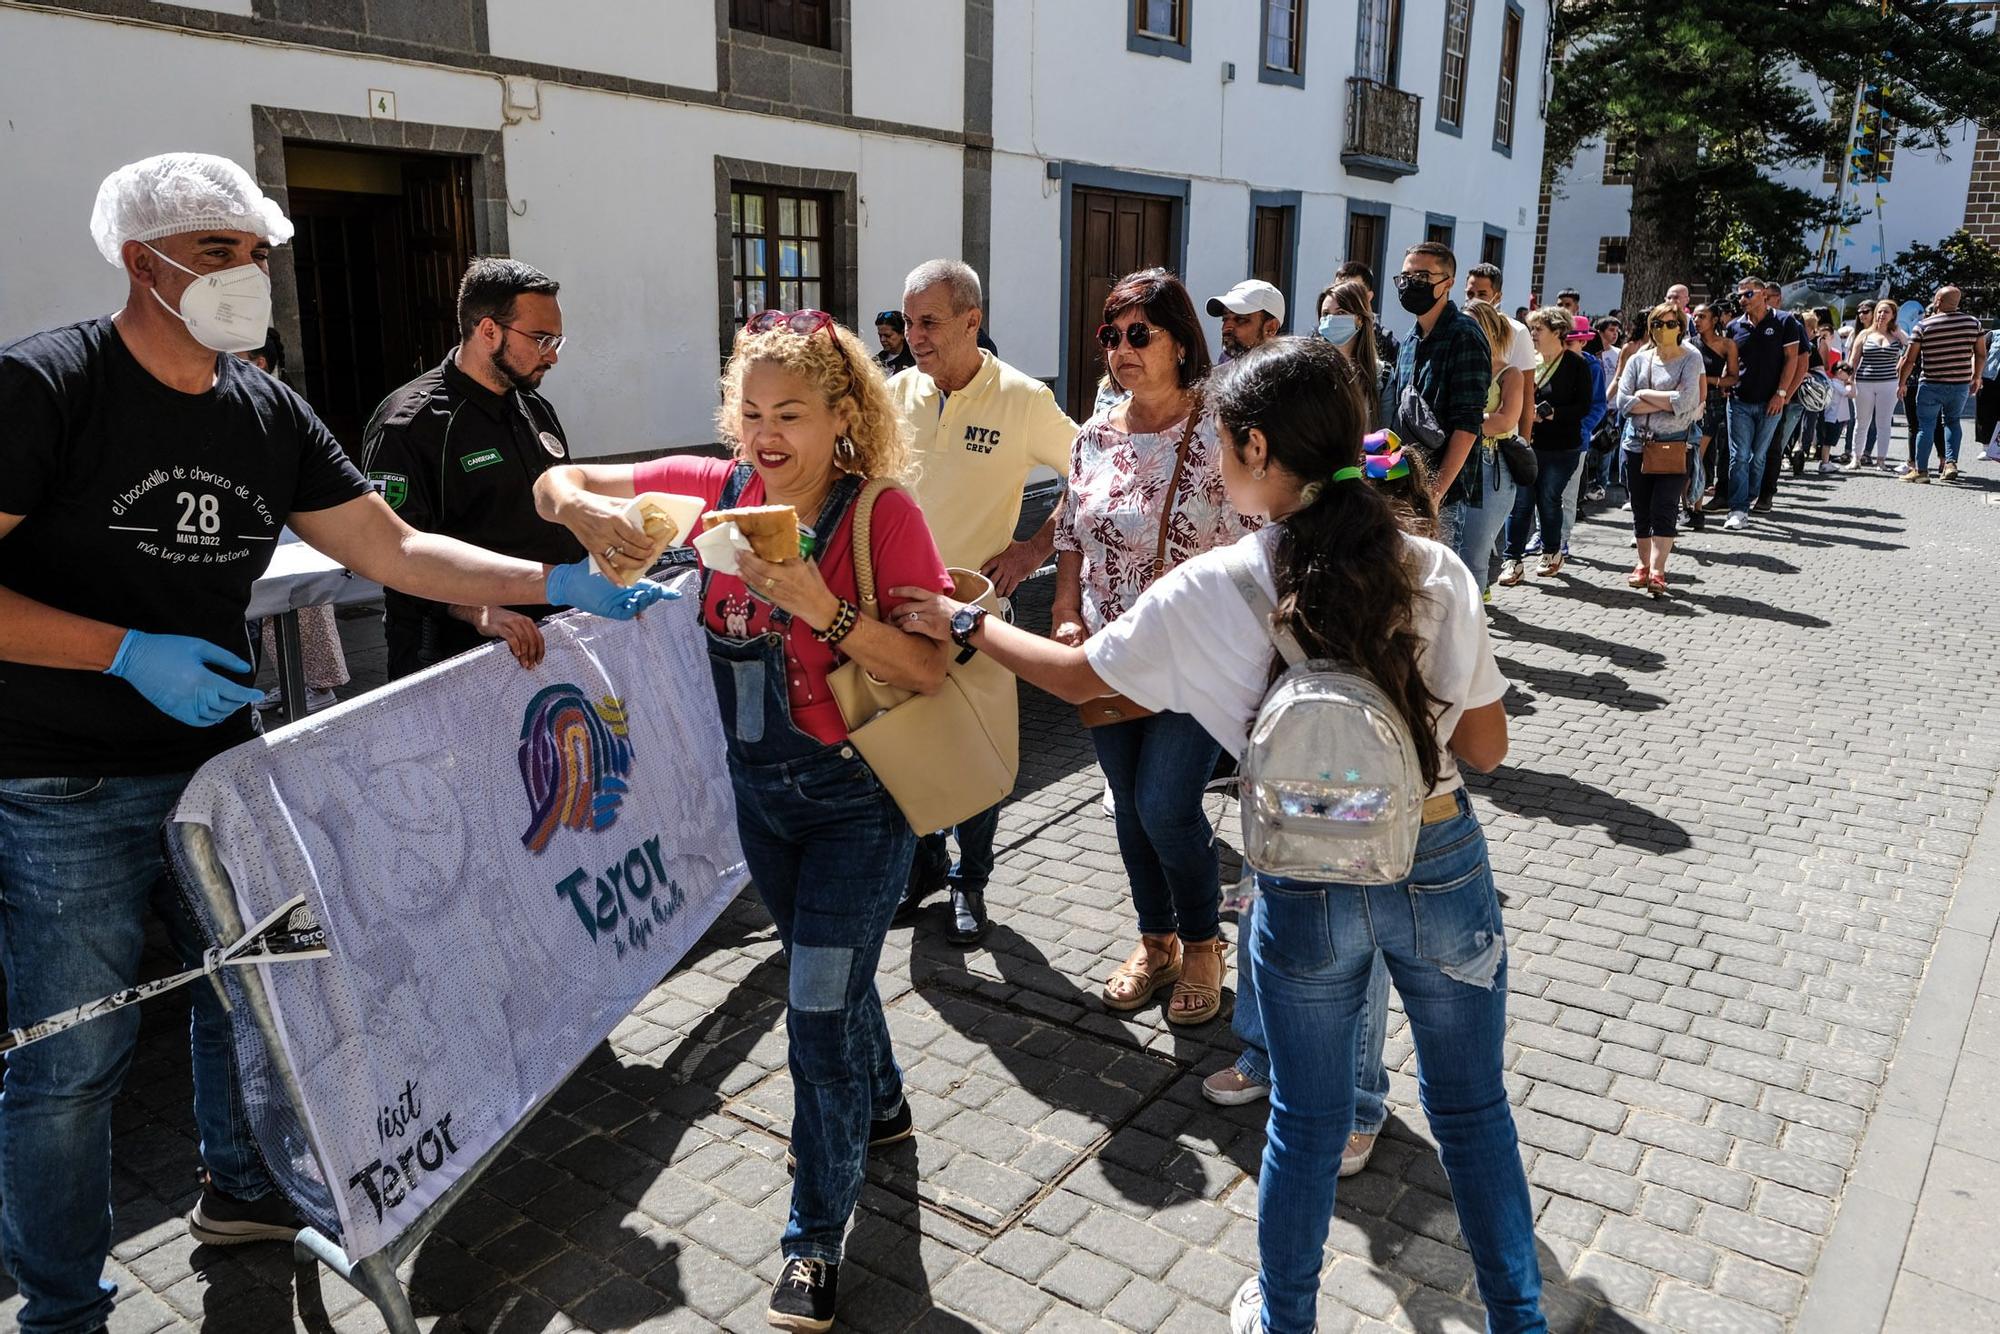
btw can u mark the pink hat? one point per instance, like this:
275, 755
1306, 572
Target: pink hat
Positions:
1580, 331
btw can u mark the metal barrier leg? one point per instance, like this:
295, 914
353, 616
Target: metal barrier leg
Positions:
374, 1278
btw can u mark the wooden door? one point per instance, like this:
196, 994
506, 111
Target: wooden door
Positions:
1112, 233
346, 256
437, 245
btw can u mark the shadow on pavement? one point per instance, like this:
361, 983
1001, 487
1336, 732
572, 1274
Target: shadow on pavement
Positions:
1568, 801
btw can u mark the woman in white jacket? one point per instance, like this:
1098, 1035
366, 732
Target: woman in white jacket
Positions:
1659, 395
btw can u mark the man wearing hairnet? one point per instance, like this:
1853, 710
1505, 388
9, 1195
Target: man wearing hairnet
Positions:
145, 475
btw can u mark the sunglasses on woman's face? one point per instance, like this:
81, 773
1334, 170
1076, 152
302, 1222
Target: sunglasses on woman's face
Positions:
1666, 324
1137, 334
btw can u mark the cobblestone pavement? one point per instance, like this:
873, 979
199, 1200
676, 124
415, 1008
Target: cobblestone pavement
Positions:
1728, 834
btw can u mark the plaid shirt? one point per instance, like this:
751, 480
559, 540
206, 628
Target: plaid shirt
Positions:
1451, 368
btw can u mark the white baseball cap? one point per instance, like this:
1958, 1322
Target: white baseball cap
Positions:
1248, 295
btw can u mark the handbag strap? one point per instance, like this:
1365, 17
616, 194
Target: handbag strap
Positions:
1174, 485
1242, 572
861, 543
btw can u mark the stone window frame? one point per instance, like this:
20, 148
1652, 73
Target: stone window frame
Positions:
758, 73
272, 128
1605, 261
841, 270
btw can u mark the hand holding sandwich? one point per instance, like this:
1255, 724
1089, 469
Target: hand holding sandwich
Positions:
794, 586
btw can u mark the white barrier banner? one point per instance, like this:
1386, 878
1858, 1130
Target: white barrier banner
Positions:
505, 861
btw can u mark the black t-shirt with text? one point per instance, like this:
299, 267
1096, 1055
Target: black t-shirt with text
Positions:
147, 508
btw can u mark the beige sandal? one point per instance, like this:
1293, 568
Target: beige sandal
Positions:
1153, 964
1198, 996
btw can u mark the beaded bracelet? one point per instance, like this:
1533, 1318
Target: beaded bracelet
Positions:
843, 625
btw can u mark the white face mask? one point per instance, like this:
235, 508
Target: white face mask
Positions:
228, 311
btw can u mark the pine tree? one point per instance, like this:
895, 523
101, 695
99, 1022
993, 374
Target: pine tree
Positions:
1712, 96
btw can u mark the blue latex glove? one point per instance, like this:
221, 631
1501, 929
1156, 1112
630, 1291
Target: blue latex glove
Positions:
580, 585
172, 672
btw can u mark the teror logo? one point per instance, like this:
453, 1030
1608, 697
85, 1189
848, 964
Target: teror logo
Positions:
575, 758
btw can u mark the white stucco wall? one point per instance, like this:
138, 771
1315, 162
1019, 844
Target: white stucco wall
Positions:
662, 41
614, 195
1067, 90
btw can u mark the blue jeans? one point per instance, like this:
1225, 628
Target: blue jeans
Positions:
1543, 500
1935, 401
80, 868
975, 850
830, 854
1371, 1076
1157, 768
1751, 430
1478, 525
1441, 935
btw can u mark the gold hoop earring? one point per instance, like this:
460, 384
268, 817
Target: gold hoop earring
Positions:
1256, 474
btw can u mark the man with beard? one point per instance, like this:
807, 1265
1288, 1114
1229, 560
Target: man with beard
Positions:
457, 451
1251, 312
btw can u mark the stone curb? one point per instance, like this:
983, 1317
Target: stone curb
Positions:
1864, 1255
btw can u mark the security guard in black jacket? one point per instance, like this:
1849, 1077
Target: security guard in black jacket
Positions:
457, 451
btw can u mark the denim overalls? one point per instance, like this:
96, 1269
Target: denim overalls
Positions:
830, 854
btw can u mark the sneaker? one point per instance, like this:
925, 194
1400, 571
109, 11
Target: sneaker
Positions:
1760, 506
1230, 1087
1360, 1148
317, 699
1515, 572
1246, 1308
1626, 507
1948, 473
1715, 502
1595, 494
1992, 452
1827, 466
1912, 475
220, 1219
894, 1128
1855, 463
803, 1298
1738, 519
968, 916
1550, 565
1534, 547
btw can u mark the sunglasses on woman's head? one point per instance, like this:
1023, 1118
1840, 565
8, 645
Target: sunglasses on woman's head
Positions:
802, 322
1137, 334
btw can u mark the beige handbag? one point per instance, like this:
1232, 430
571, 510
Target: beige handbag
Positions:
943, 757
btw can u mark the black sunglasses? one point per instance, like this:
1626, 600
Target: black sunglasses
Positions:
1138, 335
1665, 324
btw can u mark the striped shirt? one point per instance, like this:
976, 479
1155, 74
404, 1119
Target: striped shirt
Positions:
1947, 345
1878, 358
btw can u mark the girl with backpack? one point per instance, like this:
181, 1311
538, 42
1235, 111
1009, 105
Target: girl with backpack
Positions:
1404, 611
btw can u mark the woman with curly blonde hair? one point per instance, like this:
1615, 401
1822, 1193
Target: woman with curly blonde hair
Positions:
808, 416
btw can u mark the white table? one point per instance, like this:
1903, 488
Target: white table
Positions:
300, 576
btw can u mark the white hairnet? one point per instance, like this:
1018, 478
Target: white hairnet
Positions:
181, 192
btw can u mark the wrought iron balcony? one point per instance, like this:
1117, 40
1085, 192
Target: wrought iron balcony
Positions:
1381, 140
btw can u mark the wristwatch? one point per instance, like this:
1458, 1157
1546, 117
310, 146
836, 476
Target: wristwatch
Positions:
965, 622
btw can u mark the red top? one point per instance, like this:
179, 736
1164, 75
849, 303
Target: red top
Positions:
905, 557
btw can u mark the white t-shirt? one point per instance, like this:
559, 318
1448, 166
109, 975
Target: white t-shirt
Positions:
1192, 645
1520, 348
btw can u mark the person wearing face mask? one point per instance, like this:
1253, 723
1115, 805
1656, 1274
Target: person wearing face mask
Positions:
458, 450
1347, 320
1659, 395
1447, 364
148, 475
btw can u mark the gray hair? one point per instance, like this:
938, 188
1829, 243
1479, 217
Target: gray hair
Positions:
953, 274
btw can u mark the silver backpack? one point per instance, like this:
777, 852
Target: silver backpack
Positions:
1331, 789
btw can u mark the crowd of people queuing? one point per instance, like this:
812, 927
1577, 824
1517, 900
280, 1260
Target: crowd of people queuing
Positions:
1374, 489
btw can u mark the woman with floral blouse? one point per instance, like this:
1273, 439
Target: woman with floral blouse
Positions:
1145, 495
